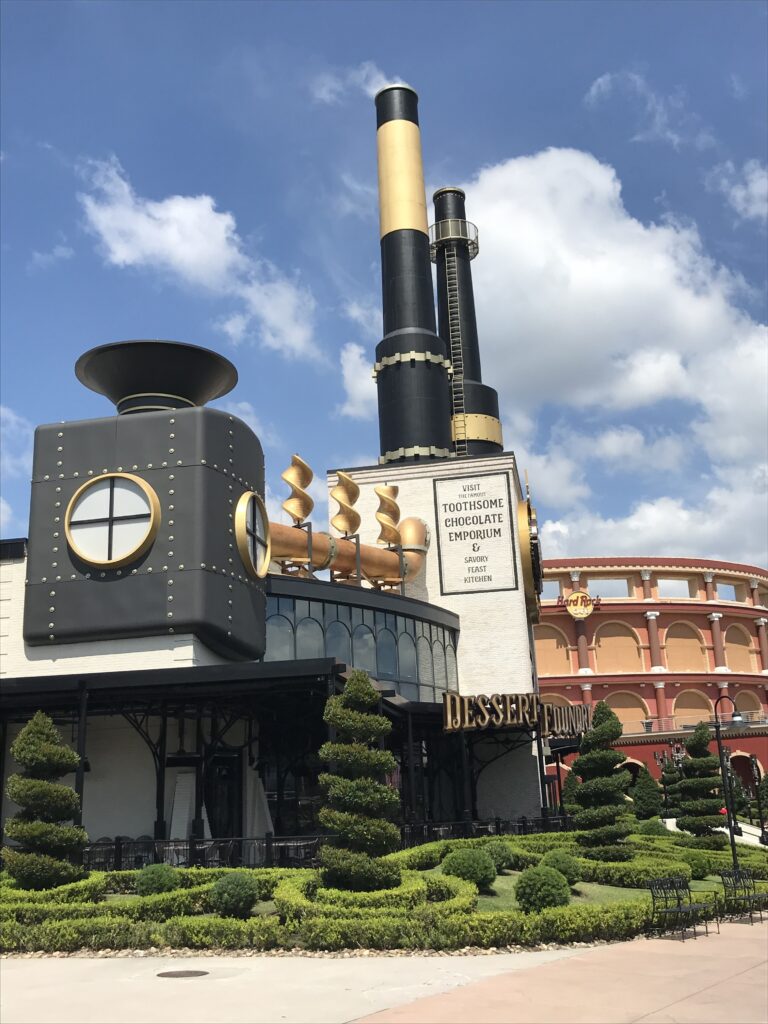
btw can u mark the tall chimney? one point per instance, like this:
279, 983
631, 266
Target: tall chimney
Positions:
475, 424
412, 365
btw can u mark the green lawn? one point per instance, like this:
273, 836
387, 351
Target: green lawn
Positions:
503, 897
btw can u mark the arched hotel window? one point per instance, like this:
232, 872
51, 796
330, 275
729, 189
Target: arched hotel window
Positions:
337, 642
617, 649
309, 639
364, 649
441, 672
453, 674
747, 701
685, 651
692, 707
279, 639
630, 710
406, 649
738, 650
386, 654
552, 657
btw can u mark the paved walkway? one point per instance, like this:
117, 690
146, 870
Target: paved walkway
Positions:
715, 980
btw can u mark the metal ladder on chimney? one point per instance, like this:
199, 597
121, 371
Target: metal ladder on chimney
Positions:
454, 332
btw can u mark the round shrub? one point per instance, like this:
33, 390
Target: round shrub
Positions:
652, 827
563, 862
500, 852
358, 872
610, 854
156, 878
471, 864
234, 895
541, 887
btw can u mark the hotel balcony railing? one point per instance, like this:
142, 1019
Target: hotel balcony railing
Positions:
688, 721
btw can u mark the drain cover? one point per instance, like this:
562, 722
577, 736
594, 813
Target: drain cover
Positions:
182, 974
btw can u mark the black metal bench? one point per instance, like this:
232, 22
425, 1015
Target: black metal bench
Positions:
741, 895
673, 908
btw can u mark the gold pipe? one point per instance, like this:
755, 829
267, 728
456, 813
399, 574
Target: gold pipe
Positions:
341, 555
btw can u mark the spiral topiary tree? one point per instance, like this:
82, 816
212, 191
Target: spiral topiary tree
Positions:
359, 805
646, 796
571, 784
699, 791
44, 840
601, 793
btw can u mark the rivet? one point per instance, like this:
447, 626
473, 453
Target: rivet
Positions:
57, 504
51, 637
181, 567
229, 618
119, 572
230, 561
90, 472
51, 625
170, 597
58, 489
55, 535
229, 633
75, 474
52, 593
178, 462
171, 476
73, 576
103, 574
171, 451
171, 508
46, 477
170, 522
60, 449
56, 519
165, 568
170, 583
203, 462
165, 464
59, 463
171, 421
149, 465
133, 572
149, 569
229, 602
230, 487
215, 465
171, 436
170, 630
134, 467
170, 615
87, 575
54, 565
54, 549
105, 470
60, 434
171, 491
170, 536
119, 469
52, 608
202, 565
170, 554
229, 586
44, 579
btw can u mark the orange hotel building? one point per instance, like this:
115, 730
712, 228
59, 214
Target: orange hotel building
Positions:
669, 636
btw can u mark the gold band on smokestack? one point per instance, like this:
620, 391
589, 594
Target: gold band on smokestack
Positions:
411, 359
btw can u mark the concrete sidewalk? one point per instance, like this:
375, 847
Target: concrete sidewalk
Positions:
710, 981
722, 979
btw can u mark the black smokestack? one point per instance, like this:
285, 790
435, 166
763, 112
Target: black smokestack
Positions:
146, 376
475, 424
412, 360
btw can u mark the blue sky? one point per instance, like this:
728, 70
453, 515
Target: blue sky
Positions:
206, 172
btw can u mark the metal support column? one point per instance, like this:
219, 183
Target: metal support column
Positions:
162, 755
411, 772
82, 723
197, 823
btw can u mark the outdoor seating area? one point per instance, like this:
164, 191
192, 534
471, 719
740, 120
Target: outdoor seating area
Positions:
673, 907
741, 896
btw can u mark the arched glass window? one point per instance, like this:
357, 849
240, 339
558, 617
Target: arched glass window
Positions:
441, 674
309, 639
337, 642
386, 654
453, 673
406, 650
364, 649
424, 651
279, 639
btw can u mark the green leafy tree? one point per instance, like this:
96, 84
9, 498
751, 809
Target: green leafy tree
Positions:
700, 789
670, 777
358, 805
570, 787
45, 841
601, 794
646, 796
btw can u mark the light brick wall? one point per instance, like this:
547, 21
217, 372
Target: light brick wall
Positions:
494, 654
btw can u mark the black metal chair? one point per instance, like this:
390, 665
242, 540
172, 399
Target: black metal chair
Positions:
741, 895
673, 908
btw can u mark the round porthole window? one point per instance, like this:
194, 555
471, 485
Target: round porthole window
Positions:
252, 534
112, 520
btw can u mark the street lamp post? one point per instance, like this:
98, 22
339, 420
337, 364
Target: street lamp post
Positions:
735, 717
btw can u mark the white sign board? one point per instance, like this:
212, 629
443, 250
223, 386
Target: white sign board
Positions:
475, 534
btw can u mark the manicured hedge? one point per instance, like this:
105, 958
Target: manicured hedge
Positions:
222, 933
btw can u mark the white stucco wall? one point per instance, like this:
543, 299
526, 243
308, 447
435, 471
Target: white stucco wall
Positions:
494, 653
18, 659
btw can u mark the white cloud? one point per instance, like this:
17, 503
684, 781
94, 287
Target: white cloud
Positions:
356, 198
17, 443
7, 518
359, 385
737, 87
730, 523
745, 190
44, 260
587, 311
245, 412
663, 118
365, 314
197, 246
333, 86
